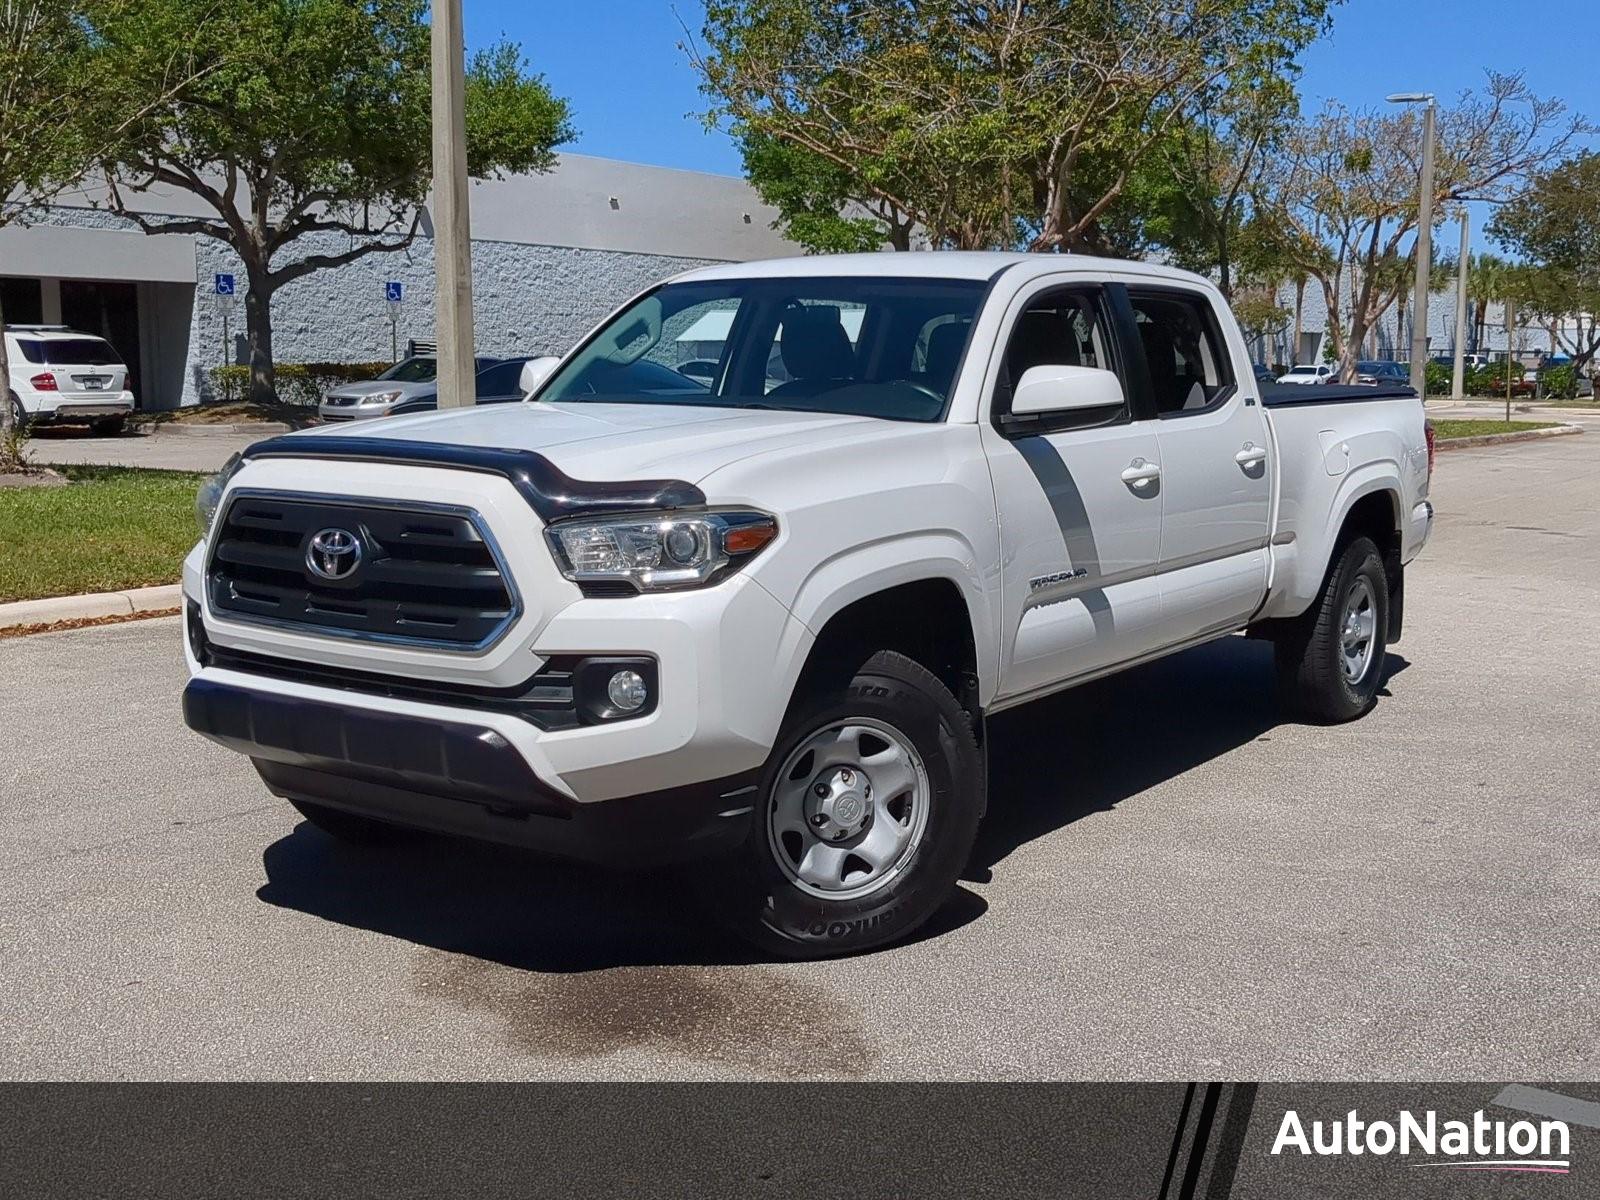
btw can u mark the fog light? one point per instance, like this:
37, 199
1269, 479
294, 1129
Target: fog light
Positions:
627, 691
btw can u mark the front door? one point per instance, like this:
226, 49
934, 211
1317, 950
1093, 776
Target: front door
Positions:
1079, 500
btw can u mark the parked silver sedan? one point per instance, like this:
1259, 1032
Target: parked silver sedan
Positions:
410, 379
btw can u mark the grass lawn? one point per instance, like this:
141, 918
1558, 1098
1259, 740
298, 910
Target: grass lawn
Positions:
110, 528
1445, 430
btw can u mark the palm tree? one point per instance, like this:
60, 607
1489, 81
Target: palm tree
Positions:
1489, 280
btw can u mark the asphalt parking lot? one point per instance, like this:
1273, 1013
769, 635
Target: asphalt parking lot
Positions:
1173, 883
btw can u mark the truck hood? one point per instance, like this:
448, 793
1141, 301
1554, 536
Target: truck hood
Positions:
607, 442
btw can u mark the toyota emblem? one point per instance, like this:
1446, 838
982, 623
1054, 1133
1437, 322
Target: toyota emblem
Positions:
333, 553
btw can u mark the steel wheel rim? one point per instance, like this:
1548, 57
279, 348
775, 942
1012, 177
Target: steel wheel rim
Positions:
848, 809
1358, 631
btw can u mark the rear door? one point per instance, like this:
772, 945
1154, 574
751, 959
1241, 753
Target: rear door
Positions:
1216, 477
1078, 498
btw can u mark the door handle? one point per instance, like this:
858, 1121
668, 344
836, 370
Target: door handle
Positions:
1251, 455
1139, 473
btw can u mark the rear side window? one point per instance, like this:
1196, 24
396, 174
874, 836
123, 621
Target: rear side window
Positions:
1189, 367
69, 352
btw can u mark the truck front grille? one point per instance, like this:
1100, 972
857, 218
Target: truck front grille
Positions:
421, 574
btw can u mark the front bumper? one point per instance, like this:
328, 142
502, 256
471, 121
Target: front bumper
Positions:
457, 777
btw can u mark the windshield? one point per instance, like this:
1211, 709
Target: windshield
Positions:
864, 346
1304, 371
69, 352
412, 370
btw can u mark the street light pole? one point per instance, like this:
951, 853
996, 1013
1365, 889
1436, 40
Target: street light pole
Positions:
1458, 372
1419, 303
452, 236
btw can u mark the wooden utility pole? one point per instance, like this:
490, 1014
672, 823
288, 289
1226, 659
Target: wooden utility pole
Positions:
452, 229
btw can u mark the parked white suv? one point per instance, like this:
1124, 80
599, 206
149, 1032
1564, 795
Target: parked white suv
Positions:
759, 614
1310, 373
60, 374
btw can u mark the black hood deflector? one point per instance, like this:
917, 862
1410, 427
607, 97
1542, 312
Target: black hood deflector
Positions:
549, 491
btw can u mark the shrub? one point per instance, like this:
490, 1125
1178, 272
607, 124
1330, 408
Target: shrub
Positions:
1561, 381
1439, 379
298, 383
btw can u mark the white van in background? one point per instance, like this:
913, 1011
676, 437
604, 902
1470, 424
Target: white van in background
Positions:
61, 375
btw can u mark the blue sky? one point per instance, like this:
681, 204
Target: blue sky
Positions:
634, 95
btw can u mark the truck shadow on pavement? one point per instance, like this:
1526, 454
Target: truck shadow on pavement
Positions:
510, 908
1093, 747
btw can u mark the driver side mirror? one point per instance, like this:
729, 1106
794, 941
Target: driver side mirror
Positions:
1062, 388
534, 372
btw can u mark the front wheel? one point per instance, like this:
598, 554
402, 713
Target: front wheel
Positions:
1331, 663
109, 426
865, 817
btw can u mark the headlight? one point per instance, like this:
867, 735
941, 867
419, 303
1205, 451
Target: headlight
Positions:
379, 398
210, 493
659, 553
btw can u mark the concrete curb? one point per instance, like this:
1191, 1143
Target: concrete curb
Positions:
262, 427
1502, 439
94, 604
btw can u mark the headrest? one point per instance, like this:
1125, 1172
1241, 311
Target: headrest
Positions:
1043, 337
814, 343
944, 349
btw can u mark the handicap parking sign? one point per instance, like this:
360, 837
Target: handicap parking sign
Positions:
223, 285
394, 291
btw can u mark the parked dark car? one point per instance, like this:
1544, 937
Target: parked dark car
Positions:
1375, 371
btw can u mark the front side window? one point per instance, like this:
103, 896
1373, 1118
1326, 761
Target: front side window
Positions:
872, 347
1060, 327
1189, 370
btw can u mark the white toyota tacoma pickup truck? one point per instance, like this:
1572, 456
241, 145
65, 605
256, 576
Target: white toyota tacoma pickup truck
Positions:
743, 579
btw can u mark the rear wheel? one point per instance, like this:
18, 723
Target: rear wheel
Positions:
19, 415
1331, 663
347, 827
865, 816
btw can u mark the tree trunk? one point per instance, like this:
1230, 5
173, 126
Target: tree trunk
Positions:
1299, 320
263, 387
10, 440
1224, 265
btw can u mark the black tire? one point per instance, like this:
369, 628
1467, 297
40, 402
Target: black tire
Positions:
347, 827
751, 894
19, 415
109, 426
1312, 679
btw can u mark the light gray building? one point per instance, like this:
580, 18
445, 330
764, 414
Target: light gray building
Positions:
552, 254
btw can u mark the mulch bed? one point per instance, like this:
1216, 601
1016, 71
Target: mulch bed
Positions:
11, 631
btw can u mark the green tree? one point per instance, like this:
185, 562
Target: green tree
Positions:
58, 115
816, 204
311, 120
1555, 226
987, 124
1206, 215
1346, 188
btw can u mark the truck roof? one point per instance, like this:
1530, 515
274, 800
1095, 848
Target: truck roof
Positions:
934, 264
